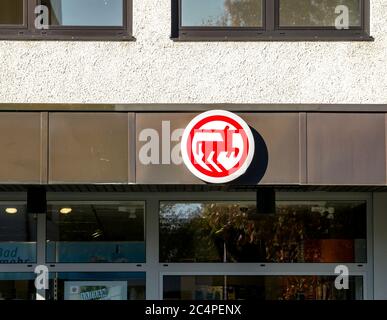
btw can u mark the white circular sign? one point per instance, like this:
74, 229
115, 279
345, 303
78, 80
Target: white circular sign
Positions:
217, 146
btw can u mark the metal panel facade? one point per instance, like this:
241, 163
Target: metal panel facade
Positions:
23, 148
346, 149
88, 148
280, 134
157, 136
144, 148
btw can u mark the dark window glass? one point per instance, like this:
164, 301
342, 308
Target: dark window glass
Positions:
97, 286
11, 12
321, 13
17, 234
96, 233
259, 288
310, 231
17, 286
222, 13
92, 13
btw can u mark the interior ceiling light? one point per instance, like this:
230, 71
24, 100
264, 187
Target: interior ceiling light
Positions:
11, 210
97, 234
65, 211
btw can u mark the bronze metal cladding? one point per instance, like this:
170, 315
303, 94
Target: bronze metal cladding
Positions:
88, 148
23, 145
346, 149
301, 148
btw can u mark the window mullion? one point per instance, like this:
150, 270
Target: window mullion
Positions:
175, 18
31, 5
128, 12
365, 5
152, 250
270, 14
41, 249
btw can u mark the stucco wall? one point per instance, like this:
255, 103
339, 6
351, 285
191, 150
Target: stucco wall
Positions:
155, 69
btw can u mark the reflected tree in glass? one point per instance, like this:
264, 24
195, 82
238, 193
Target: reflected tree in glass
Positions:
233, 232
186, 236
243, 13
316, 12
299, 287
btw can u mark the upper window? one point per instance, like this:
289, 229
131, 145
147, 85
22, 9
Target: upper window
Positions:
66, 19
271, 20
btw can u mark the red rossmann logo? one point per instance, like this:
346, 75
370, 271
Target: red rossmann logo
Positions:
217, 146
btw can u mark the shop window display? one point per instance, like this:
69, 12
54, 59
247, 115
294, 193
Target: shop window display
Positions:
96, 233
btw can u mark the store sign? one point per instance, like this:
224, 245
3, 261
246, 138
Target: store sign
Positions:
22, 252
217, 146
95, 290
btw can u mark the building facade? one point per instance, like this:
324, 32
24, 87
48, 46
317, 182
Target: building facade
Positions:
94, 100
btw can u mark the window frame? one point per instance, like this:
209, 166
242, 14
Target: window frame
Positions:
88, 33
271, 30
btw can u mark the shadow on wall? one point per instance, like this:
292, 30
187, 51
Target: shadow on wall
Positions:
258, 166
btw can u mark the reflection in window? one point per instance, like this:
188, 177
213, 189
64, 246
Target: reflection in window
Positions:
222, 13
92, 13
310, 13
313, 231
97, 286
11, 12
96, 233
259, 288
17, 286
17, 234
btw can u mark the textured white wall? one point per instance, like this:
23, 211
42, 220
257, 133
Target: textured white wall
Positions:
155, 69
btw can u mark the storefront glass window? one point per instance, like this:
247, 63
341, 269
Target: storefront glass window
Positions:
222, 13
259, 288
310, 13
106, 13
17, 286
96, 233
299, 231
11, 12
97, 286
17, 234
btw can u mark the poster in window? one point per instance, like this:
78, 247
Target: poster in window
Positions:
95, 290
